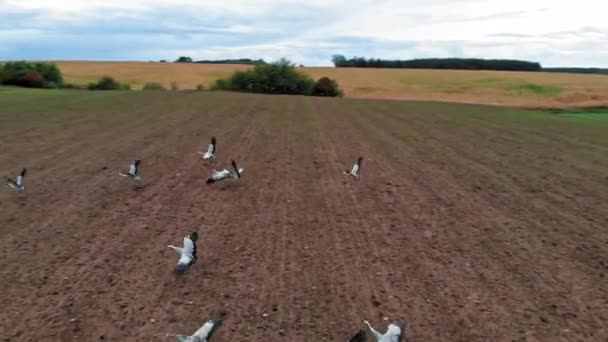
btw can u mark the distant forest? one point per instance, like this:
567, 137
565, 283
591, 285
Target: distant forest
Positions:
421, 63
458, 64
234, 61
438, 63
597, 71
185, 59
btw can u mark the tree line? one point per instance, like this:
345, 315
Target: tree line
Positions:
248, 61
438, 63
596, 71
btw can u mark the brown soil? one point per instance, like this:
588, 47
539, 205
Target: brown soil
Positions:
468, 222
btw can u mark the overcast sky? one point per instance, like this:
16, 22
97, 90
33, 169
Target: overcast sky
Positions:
553, 32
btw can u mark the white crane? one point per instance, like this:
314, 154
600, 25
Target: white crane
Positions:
133, 171
187, 253
356, 169
210, 154
234, 172
203, 334
394, 333
18, 184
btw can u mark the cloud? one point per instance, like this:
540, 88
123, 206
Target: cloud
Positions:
553, 33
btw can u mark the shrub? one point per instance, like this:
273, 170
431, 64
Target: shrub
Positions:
153, 86
327, 87
200, 87
35, 75
71, 86
222, 84
280, 77
108, 83
51, 74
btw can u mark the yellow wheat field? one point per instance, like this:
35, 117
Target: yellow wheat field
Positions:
525, 89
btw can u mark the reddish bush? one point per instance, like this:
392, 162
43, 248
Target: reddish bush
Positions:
38, 75
32, 79
325, 86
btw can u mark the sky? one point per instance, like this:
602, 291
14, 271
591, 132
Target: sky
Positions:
552, 32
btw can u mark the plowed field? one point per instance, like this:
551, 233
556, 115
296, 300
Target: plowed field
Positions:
471, 223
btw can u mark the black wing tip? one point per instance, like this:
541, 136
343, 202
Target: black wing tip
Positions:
23, 171
360, 160
210, 181
236, 169
216, 324
213, 140
360, 336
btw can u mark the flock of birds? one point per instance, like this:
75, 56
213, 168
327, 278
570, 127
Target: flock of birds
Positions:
188, 257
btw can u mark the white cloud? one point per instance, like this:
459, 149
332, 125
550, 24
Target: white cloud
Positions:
470, 20
552, 32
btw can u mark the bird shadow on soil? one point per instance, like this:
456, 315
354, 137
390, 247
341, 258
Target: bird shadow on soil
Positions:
139, 187
232, 186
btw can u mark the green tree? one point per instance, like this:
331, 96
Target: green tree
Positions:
280, 77
338, 60
183, 59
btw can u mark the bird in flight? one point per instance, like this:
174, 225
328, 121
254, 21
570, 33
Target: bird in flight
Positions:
356, 169
394, 333
210, 154
234, 172
18, 184
203, 334
187, 253
133, 171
